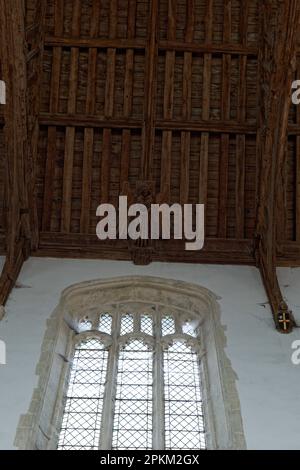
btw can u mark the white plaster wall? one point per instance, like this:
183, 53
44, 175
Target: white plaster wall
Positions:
268, 382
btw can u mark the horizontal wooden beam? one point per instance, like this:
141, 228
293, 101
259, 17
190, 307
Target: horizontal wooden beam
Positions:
224, 251
207, 48
207, 126
288, 254
234, 49
65, 120
76, 120
95, 43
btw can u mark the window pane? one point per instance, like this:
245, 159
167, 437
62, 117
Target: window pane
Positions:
133, 407
83, 410
126, 324
167, 325
189, 329
146, 324
85, 325
105, 323
184, 421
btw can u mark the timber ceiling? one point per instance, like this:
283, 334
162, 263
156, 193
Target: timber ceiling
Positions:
164, 91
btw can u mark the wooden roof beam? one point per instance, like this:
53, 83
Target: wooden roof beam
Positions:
279, 26
20, 136
13, 67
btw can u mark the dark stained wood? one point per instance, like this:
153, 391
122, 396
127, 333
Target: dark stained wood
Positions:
220, 126
128, 95
168, 101
145, 91
70, 131
86, 180
298, 190
277, 61
56, 61
184, 167
89, 132
223, 186
87, 246
225, 113
187, 105
54, 108
67, 179
244, 21
206, 94
19, 142
106, 150
288, 254
99, 43
235, 49
207, 126
241, 139
79, 120
203, 165
34, 76
148, 131
10, 273
240, 186
297, 171
49, 177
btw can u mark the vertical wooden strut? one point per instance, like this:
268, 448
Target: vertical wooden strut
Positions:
34, 75
279, 24
21, 73
13, 66
148, 132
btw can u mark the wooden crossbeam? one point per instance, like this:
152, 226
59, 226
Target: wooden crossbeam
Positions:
220, 126
140, 44
277, 61
223, 251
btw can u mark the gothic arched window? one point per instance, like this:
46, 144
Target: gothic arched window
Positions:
134, 363
135, 383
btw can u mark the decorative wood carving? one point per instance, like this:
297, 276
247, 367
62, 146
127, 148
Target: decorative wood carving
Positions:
142, 192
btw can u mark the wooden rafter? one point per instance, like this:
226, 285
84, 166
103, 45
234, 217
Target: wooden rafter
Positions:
35, 41
148, 132
20, 71
279, 25
13, 65
155, 92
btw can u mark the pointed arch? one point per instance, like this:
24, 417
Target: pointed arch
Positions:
86, 302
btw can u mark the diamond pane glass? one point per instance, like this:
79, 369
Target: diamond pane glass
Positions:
147, 324
184, 421
133, 408
126, 324
85, 325
167, 325
84, 401
189, 329
105, 323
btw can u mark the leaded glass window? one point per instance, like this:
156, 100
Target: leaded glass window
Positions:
84, 401
133, 407
135, 383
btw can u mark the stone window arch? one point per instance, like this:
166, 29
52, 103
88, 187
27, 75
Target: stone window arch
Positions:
118, 320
